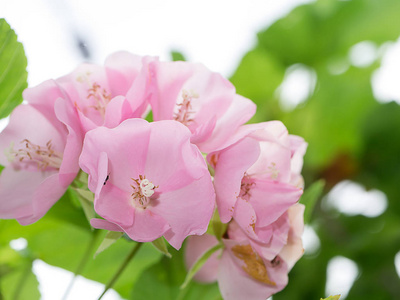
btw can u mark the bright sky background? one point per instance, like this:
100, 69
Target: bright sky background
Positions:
215, 33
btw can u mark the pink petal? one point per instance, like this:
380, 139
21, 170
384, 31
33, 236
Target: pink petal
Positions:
213, 102
235, 232
292, 252
147, 226
167, 80
141, 90
272, 238
102, 172
44, 197
238, 113
271, 199
187, 210
126, 150
171, 160
245, 216
43, 98
203, 132
114, 205
27, 196
28, 123
16, 192
272, 131
70, 164
268, 241
78, 84
196, 246
122, 68
298, 147
236, 284
232, 163
86, 123
104, 224
273, 163
117, 111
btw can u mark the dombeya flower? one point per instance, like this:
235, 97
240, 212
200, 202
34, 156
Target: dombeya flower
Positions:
40, 154
107, 95
254, 176
202, 100
242, 271
149, 180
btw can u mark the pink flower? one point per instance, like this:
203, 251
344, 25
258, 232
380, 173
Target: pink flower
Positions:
203, 101
111, 94
241, 270
254, 176
148, 180
40, 154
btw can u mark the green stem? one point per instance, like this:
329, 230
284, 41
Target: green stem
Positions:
82, 263
22, 281
183, 292
121, 269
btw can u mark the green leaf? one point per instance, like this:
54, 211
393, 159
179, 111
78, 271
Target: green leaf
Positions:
86, 194
106, 263
13, 73
149, 117
68, 209
86, 199
330, 120
257, 77
167, 276
332, 298
312, 34
161, 246
62, 244
177, 56
310, 198
110, 238
380, 157
199, 263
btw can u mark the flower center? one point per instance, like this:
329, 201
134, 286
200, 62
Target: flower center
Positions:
253, 263
99, 95
143, 189
101, 98
272, 169
45, 157
245, 187
185, 112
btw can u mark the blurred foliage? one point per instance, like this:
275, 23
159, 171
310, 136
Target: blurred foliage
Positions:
177, 56
163, 281
310, 198
13, 73
350, 134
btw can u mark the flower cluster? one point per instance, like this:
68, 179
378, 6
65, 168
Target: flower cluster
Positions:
150, 179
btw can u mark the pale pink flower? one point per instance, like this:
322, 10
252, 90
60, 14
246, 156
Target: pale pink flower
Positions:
202, 100
253, 174
40, 154
107, 95
241, 270
149, 180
